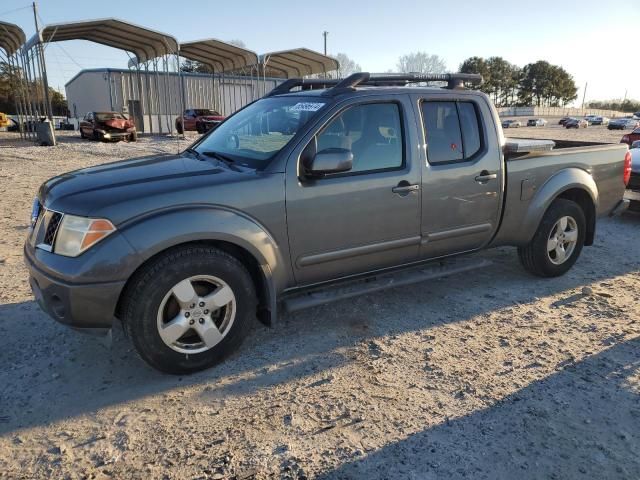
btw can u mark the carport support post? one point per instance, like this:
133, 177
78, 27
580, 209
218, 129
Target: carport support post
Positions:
148, 94
43, 63
27, 88
183, 95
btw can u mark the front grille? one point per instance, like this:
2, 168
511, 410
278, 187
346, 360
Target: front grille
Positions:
52, 227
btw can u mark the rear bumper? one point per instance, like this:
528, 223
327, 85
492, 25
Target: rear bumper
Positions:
88, 307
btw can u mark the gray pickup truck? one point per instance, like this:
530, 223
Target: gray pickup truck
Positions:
319, 191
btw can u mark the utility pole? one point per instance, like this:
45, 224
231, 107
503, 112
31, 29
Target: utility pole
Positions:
40, 51
324, 34
584, 94
625, 96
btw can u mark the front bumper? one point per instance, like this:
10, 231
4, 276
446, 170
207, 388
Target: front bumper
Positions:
89, 307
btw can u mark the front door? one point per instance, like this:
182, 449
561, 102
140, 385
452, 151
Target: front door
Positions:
364, 219
462, 179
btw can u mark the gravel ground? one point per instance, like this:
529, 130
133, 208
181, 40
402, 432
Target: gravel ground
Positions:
494, 374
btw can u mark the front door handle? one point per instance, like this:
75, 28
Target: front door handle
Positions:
405, 188
485, 176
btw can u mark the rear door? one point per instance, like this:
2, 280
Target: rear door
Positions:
462, 179
365, 219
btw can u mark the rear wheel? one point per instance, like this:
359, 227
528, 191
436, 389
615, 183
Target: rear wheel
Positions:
179, 128
557, 243
82, 134
133, 137
189, 309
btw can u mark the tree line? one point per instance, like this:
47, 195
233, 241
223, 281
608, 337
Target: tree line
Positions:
629, 106
535, 84
9, 79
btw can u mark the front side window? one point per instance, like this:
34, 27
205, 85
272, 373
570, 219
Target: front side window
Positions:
452, 131
373, 133
255, 134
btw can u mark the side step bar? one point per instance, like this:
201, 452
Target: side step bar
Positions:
436, 269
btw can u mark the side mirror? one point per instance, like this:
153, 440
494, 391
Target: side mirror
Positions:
331, 160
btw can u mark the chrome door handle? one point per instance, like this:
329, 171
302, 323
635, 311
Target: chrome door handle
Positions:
485, 176
405, 188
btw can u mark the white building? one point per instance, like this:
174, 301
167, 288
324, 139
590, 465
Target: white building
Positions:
153, 99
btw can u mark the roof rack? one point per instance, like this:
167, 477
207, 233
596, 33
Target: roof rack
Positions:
336, 86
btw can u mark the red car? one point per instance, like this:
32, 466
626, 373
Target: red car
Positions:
629, 138
107, 126
199, 119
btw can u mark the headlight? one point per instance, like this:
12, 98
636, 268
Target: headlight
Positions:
77, 234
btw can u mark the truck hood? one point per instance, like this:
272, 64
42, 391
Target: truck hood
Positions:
118, 190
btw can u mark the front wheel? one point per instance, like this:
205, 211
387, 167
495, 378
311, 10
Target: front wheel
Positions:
189, 309
557, 243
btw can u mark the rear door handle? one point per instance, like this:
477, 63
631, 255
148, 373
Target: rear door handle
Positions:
485, 176
405, 188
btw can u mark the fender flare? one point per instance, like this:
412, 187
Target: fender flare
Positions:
158, 231
562, 181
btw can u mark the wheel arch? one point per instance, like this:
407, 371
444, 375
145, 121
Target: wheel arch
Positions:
572, 184
231, 232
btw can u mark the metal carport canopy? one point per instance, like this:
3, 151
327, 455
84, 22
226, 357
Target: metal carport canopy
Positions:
144, 43
219, 56
11, 37
297, 63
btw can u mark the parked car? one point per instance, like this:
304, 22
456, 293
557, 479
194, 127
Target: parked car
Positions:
629, 138
576, 123
626, 123
536, 122
5, 120
636, 115
186, 250
633, 192
511, 124
598, 120
564, 120
590, 118
107, 126
199, 119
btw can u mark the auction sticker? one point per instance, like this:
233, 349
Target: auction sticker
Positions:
306, 107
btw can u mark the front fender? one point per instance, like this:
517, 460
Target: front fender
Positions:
153, 233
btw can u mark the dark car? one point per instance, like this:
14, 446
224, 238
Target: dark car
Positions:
107, 126
623, 123
564, 120
536, 122
576, 123
199, 119
629, 138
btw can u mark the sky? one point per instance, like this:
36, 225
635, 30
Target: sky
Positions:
597, 42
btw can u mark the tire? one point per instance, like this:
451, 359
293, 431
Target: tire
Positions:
97, 136
179, 128
536, 257
154, 283
82, 134
199, 128
133, 137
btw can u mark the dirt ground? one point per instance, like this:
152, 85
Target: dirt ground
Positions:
491, 374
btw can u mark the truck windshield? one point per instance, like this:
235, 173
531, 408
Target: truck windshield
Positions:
254, 135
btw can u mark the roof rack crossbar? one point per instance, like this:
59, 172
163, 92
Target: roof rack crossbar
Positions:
454, 80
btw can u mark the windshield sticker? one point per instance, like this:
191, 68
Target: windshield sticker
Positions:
306, 107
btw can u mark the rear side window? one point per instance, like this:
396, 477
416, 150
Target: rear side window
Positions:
452, 130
